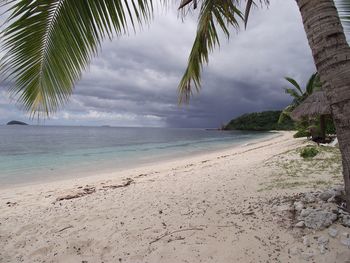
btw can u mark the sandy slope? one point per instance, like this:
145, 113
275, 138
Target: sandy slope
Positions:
202, 209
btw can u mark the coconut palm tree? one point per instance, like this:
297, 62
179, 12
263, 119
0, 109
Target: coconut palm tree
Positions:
49, 42
331, 54
298, 94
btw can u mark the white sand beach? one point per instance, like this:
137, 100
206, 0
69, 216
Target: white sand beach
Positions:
216, 207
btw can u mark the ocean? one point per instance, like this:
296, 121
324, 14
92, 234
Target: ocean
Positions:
45, 153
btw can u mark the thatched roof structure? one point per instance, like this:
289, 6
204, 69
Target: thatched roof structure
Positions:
315, 104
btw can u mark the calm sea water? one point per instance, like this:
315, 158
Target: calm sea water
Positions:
44, 153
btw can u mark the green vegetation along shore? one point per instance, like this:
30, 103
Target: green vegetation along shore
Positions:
260, 121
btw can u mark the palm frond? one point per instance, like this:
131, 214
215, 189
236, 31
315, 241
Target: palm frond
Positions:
313, 84
47, 44
295, 84
187, 2
343, 7
297, 93
249, 5
247, 11
213, 12
296, 96
285, 113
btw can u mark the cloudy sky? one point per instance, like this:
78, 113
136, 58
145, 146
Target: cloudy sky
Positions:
133, 81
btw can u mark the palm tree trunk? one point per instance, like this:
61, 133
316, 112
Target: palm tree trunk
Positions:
323, 127
331, 54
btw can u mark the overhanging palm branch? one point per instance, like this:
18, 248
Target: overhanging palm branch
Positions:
213, 13
49, 42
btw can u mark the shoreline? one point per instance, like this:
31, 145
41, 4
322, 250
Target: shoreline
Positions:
79, 174
207, 208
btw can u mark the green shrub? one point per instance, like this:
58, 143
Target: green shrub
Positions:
305, 125
302, 133
308, 152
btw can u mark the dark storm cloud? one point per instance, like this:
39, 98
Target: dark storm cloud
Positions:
134, 80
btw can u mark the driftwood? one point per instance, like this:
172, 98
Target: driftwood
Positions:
91, 189
128, 182
176, 231
86, 191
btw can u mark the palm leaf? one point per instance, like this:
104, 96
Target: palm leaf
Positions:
249, 5
47, 44
343, 7
313, 84
285, 113
295, 84
212, 13
186, 2
296, 96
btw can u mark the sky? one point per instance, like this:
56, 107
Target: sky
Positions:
134, 79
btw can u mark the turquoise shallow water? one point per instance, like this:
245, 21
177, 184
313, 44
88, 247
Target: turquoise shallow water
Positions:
43, 153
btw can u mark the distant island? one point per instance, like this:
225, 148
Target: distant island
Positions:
16, 123
260, 121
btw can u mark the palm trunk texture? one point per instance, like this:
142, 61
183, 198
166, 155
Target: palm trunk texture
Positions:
331, 54
323, 127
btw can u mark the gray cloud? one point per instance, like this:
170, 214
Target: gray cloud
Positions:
134, 80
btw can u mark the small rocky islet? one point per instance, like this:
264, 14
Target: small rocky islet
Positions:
16, 123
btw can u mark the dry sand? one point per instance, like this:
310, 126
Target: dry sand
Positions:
207, 208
